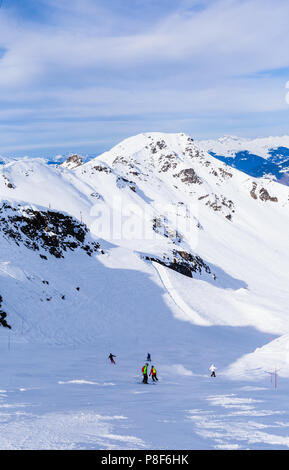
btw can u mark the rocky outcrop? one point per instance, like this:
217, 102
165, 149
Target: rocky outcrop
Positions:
97, 196
161, 226
221, 204
167, 162
123, 183
183, 262
50, 231
159, 145
225, 174
253, 191
72, 162
3, 315
263, 194
189, 176
104, 168
8, 182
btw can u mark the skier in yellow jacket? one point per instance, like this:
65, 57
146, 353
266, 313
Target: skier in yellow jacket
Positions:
145, 373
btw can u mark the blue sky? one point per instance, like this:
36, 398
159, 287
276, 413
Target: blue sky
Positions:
80, 75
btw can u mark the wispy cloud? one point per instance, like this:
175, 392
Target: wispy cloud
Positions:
68, 61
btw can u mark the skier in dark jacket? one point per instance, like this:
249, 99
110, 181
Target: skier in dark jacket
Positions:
148, 357
145, 373
111, 357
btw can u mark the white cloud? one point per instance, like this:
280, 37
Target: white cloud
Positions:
234, 36
193, 60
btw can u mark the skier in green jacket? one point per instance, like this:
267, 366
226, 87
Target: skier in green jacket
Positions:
145, 373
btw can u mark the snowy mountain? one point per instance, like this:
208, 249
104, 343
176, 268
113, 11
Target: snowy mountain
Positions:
153, 246
262, 157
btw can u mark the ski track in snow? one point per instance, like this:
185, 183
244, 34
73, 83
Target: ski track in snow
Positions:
188, 313
228, 422
238, 428
63, 431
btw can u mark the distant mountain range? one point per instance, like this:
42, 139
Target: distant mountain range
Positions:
264, 157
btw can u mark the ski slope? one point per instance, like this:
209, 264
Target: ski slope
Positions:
65, 397
181, 256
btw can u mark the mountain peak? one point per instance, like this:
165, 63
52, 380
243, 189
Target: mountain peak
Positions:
73, 161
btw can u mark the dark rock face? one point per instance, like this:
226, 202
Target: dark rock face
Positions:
106, 169
167, 162
74, 160
203, 197
160, 145
3, 315
225, 174
253, 191
263, 194
97, 196
123, 182
221, 204
189, 176
161, 226
183, 262
49, 230
8, 182
123, 161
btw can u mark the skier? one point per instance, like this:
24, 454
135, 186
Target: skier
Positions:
149, 357
145, 373
212, 369
111, 357
153, 373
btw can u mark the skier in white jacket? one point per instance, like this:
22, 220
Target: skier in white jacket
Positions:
212, 369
